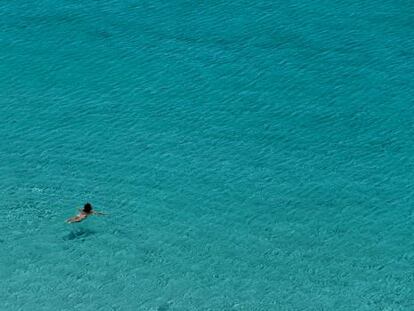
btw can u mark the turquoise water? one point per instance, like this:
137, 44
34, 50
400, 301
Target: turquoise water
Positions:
252, 155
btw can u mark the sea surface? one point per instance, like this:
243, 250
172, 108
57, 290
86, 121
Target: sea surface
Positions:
250, 155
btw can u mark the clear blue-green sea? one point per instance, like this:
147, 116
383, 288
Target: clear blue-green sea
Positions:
250, 155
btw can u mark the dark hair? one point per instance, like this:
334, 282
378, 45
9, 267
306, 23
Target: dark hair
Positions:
87, 208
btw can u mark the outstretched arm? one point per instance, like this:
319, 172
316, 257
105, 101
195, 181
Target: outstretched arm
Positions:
98, 213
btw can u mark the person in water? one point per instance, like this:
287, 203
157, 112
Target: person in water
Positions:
84, 213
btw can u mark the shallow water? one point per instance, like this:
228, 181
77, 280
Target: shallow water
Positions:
251, 155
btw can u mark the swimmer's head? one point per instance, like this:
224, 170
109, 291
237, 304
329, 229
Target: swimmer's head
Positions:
87, 208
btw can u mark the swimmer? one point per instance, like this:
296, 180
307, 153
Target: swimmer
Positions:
84, 213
